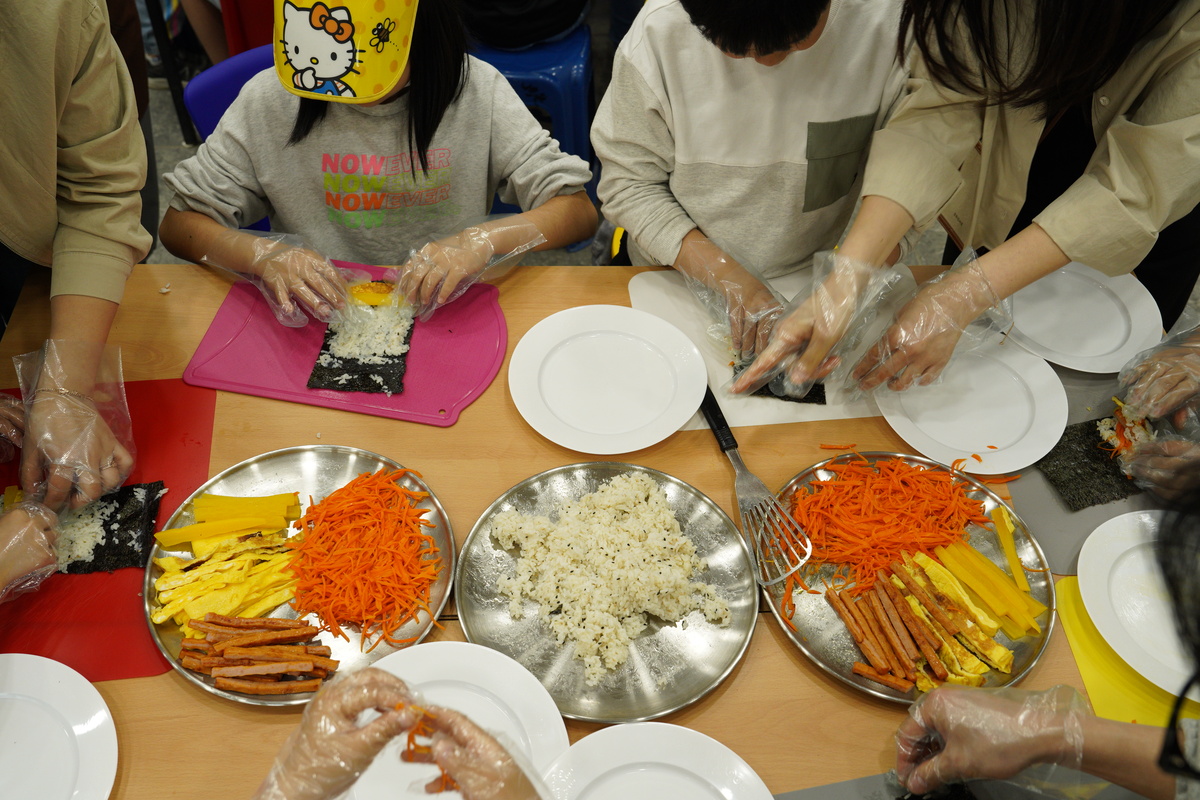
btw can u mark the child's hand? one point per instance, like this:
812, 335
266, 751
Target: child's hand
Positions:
442, 270
309, 277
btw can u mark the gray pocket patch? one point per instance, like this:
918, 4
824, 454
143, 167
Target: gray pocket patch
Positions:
835, 156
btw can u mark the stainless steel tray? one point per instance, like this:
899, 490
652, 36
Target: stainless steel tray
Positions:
821, 635
669, 665
314, 471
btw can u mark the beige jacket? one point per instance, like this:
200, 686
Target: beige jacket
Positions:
950, 155
72, 156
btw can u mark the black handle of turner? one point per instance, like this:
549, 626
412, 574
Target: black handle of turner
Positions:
716, 421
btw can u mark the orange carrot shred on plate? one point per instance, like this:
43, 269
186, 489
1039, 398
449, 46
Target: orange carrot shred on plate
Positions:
1002, 479
415, 751
957, 464
865, 517
977, 457
364, 558
992, 447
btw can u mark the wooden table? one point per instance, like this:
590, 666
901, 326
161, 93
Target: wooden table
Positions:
796, 726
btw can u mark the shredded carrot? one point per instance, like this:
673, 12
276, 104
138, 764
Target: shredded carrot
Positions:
867, 516
977, 457
838, 446
992, 447
1003, 479
364, 558
415, 751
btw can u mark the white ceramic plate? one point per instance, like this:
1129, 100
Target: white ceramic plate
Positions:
606, 379
997, 402
497, 693
1124, 594
57, 738
1086, 320
650, 761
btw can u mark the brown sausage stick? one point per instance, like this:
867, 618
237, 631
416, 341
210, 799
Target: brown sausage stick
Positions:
249, 686
283, 636
925, 639
893, 618
907, 667
252, 622
867, 616
917, 591
269, 668
891, 681
870, 646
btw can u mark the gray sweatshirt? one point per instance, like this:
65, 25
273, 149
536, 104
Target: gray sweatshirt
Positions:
347, 189
766, 161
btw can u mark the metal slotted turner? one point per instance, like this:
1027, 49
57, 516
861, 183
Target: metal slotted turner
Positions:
780, 546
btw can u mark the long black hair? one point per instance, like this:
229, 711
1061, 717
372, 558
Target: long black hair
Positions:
755, 27
439, 70
1074, 45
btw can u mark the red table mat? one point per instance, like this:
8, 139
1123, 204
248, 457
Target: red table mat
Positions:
455, 355
96, 623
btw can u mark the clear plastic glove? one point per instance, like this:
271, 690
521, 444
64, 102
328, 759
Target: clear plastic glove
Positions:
292, 276
78, 441
744, 307
442, 270
331, 749
915, 349
1166, 466
480, 765
1164, 381
12, 425
954, 734
27, 535
805, 343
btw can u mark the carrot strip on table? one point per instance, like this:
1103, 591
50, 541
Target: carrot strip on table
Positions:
838, 446
365, 559
865, 517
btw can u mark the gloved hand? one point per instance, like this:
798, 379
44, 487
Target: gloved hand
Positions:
12, 425
917, 346
1167, 467
78, 440
955, 734
1164, 380
480, 765
285, 269
442, 270
330, 750
806, 341
733, 294
27, 535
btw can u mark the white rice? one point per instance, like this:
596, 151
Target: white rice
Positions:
609, 559
81, 532
370, 334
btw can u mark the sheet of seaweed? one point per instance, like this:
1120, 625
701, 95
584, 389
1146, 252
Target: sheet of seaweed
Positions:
127, 530
352, 375
816, 394
1082, 472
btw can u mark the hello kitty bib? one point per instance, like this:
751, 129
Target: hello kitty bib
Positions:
353, 51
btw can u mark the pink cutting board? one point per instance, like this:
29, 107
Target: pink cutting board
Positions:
453, 357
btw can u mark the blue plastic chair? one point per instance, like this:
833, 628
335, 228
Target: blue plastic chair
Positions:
555, 78
212, 91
